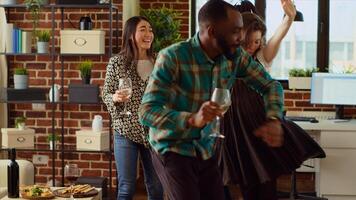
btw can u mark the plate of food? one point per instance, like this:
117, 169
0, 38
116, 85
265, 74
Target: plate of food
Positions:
36, 192
78, 191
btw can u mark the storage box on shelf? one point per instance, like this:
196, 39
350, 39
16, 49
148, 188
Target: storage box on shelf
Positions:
90, 140
82, 41
83, 93
16, 138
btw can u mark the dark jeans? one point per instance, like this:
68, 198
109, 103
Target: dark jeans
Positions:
185, 177
266, 191
126, 154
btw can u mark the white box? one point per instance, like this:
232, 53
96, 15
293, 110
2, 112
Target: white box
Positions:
16, 138
89, 140
82, 42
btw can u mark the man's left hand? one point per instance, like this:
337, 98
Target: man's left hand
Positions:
271, 132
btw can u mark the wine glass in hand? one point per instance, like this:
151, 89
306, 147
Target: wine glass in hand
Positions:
223, 99
125, 87
71, 173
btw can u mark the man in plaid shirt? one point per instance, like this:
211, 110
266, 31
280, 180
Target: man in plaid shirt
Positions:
177, 107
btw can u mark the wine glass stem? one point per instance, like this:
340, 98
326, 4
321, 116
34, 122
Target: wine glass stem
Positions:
217, 127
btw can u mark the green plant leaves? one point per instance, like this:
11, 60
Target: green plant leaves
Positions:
166, 26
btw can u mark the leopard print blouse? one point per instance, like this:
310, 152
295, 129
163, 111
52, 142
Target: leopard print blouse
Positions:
127, 126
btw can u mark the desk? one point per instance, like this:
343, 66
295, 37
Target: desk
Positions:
335, 174
97, 197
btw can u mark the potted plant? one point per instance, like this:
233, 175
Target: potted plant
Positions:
20, 78
52, 138
300, 78
34, 6
165, 24
43, 37
85, 71
20, 122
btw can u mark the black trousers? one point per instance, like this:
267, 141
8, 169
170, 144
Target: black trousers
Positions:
265, 191
188, 178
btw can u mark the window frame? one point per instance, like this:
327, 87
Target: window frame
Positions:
322, 54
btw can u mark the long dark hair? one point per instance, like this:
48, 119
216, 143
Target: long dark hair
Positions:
129, 46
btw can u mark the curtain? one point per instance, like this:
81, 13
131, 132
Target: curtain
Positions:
3, 67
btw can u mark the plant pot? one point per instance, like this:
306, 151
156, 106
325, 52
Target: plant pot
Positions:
21, 126
20, 81
299, 83
42, 47
51, 144
86, 79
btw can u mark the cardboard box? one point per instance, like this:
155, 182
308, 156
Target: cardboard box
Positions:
16, 138
89, 140
82, 42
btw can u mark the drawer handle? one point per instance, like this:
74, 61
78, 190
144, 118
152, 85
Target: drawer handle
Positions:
88, 141
80, 41
21, 139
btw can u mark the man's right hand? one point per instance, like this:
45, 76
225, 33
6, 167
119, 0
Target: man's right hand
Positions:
207, 113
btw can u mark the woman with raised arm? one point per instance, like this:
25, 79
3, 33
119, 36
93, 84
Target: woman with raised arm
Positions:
245, 158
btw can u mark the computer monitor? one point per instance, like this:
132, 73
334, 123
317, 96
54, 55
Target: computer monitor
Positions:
334, 89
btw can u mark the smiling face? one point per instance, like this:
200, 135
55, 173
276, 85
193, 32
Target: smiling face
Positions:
254, 42
143, 35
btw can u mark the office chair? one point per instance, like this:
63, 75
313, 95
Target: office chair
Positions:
294, 194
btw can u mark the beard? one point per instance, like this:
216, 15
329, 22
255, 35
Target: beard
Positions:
226, 49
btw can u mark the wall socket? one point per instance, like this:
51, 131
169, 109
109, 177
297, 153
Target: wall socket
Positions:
38, 106
40, 159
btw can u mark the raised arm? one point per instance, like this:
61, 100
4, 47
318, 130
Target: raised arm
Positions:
270, 50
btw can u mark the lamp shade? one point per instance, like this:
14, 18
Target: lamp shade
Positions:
299, 17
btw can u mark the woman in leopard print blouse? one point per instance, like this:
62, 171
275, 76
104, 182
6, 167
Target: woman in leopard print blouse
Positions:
135, 61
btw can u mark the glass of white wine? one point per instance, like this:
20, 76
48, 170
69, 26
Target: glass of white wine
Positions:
125, 86
223, 98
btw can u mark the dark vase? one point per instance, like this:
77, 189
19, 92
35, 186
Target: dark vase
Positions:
86, 79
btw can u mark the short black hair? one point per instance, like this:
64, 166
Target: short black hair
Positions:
214, 10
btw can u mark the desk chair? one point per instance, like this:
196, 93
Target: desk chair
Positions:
294, 194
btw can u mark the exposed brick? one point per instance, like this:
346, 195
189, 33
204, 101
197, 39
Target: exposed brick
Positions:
91, 173
99, 165
93, 157
35, 114
293, 96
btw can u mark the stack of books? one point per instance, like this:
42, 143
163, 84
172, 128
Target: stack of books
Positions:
17, 40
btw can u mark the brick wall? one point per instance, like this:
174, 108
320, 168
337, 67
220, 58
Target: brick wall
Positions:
79, 116
75, 116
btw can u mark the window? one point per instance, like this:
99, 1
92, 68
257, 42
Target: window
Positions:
342, 57
298, 48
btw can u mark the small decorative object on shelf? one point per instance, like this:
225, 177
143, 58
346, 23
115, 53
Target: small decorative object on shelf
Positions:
13, 189
20, 123
54, 89
15, 138
20, 78
85, 23
85, 71
43, 37
300, 78
97, 124
52, 139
